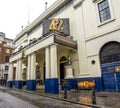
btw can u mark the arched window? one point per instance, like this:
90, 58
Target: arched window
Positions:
110, 52
63, 59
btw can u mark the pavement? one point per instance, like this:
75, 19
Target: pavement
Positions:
9, 101
103, 99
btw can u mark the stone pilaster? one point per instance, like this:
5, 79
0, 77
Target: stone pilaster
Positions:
10, 76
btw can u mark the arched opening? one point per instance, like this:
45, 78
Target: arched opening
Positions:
110, 66
63, 62
110, 52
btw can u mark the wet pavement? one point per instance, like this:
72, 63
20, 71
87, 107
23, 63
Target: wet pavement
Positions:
103, 99
75, 99
9, 101
19, 99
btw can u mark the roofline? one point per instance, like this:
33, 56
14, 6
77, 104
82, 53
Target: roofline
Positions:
44, 15
9, 39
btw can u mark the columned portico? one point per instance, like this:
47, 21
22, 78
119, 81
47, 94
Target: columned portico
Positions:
46, 50
51, 82
18, 81
31, 73
10, 76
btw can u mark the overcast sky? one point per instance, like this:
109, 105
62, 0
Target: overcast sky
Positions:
15, 13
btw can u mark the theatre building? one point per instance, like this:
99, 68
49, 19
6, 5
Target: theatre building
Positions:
77, 40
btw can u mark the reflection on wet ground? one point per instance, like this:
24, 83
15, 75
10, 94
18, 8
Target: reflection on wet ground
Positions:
85, 99
31, 98
109, 99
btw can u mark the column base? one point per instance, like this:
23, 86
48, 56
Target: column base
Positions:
51, 86
31, 85
18, 84
9, 84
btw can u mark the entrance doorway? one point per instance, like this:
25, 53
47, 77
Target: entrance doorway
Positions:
62, 70
63, 62
110, 66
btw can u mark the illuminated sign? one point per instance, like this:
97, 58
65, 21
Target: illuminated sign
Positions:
57, 25
87, 84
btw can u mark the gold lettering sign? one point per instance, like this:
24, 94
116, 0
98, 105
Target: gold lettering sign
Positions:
86, 84
56, 24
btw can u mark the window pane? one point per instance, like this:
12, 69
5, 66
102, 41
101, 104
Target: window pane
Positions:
6, 67
7, 59
104, 11
7, 50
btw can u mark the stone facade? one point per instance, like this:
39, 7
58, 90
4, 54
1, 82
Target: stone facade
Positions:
92, 25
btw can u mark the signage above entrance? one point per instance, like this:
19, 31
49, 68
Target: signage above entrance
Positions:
56, 25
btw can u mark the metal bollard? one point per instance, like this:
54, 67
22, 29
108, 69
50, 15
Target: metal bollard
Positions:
93, 96
65, 94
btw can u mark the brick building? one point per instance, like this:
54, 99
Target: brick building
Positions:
6, 49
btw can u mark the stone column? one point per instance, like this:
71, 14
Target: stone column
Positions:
33, 66
20, 69
29, 68
31, 74
53, 61
17, 70
47, 70
10, 76
18, 82
47, 62
51, 84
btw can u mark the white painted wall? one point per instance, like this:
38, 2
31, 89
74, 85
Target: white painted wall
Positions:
90, 34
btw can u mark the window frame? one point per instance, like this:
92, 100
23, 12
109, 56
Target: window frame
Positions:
7, 59
98, 16
7, 50
104, 11
6, 68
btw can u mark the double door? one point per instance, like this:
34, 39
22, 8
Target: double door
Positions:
111, 76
